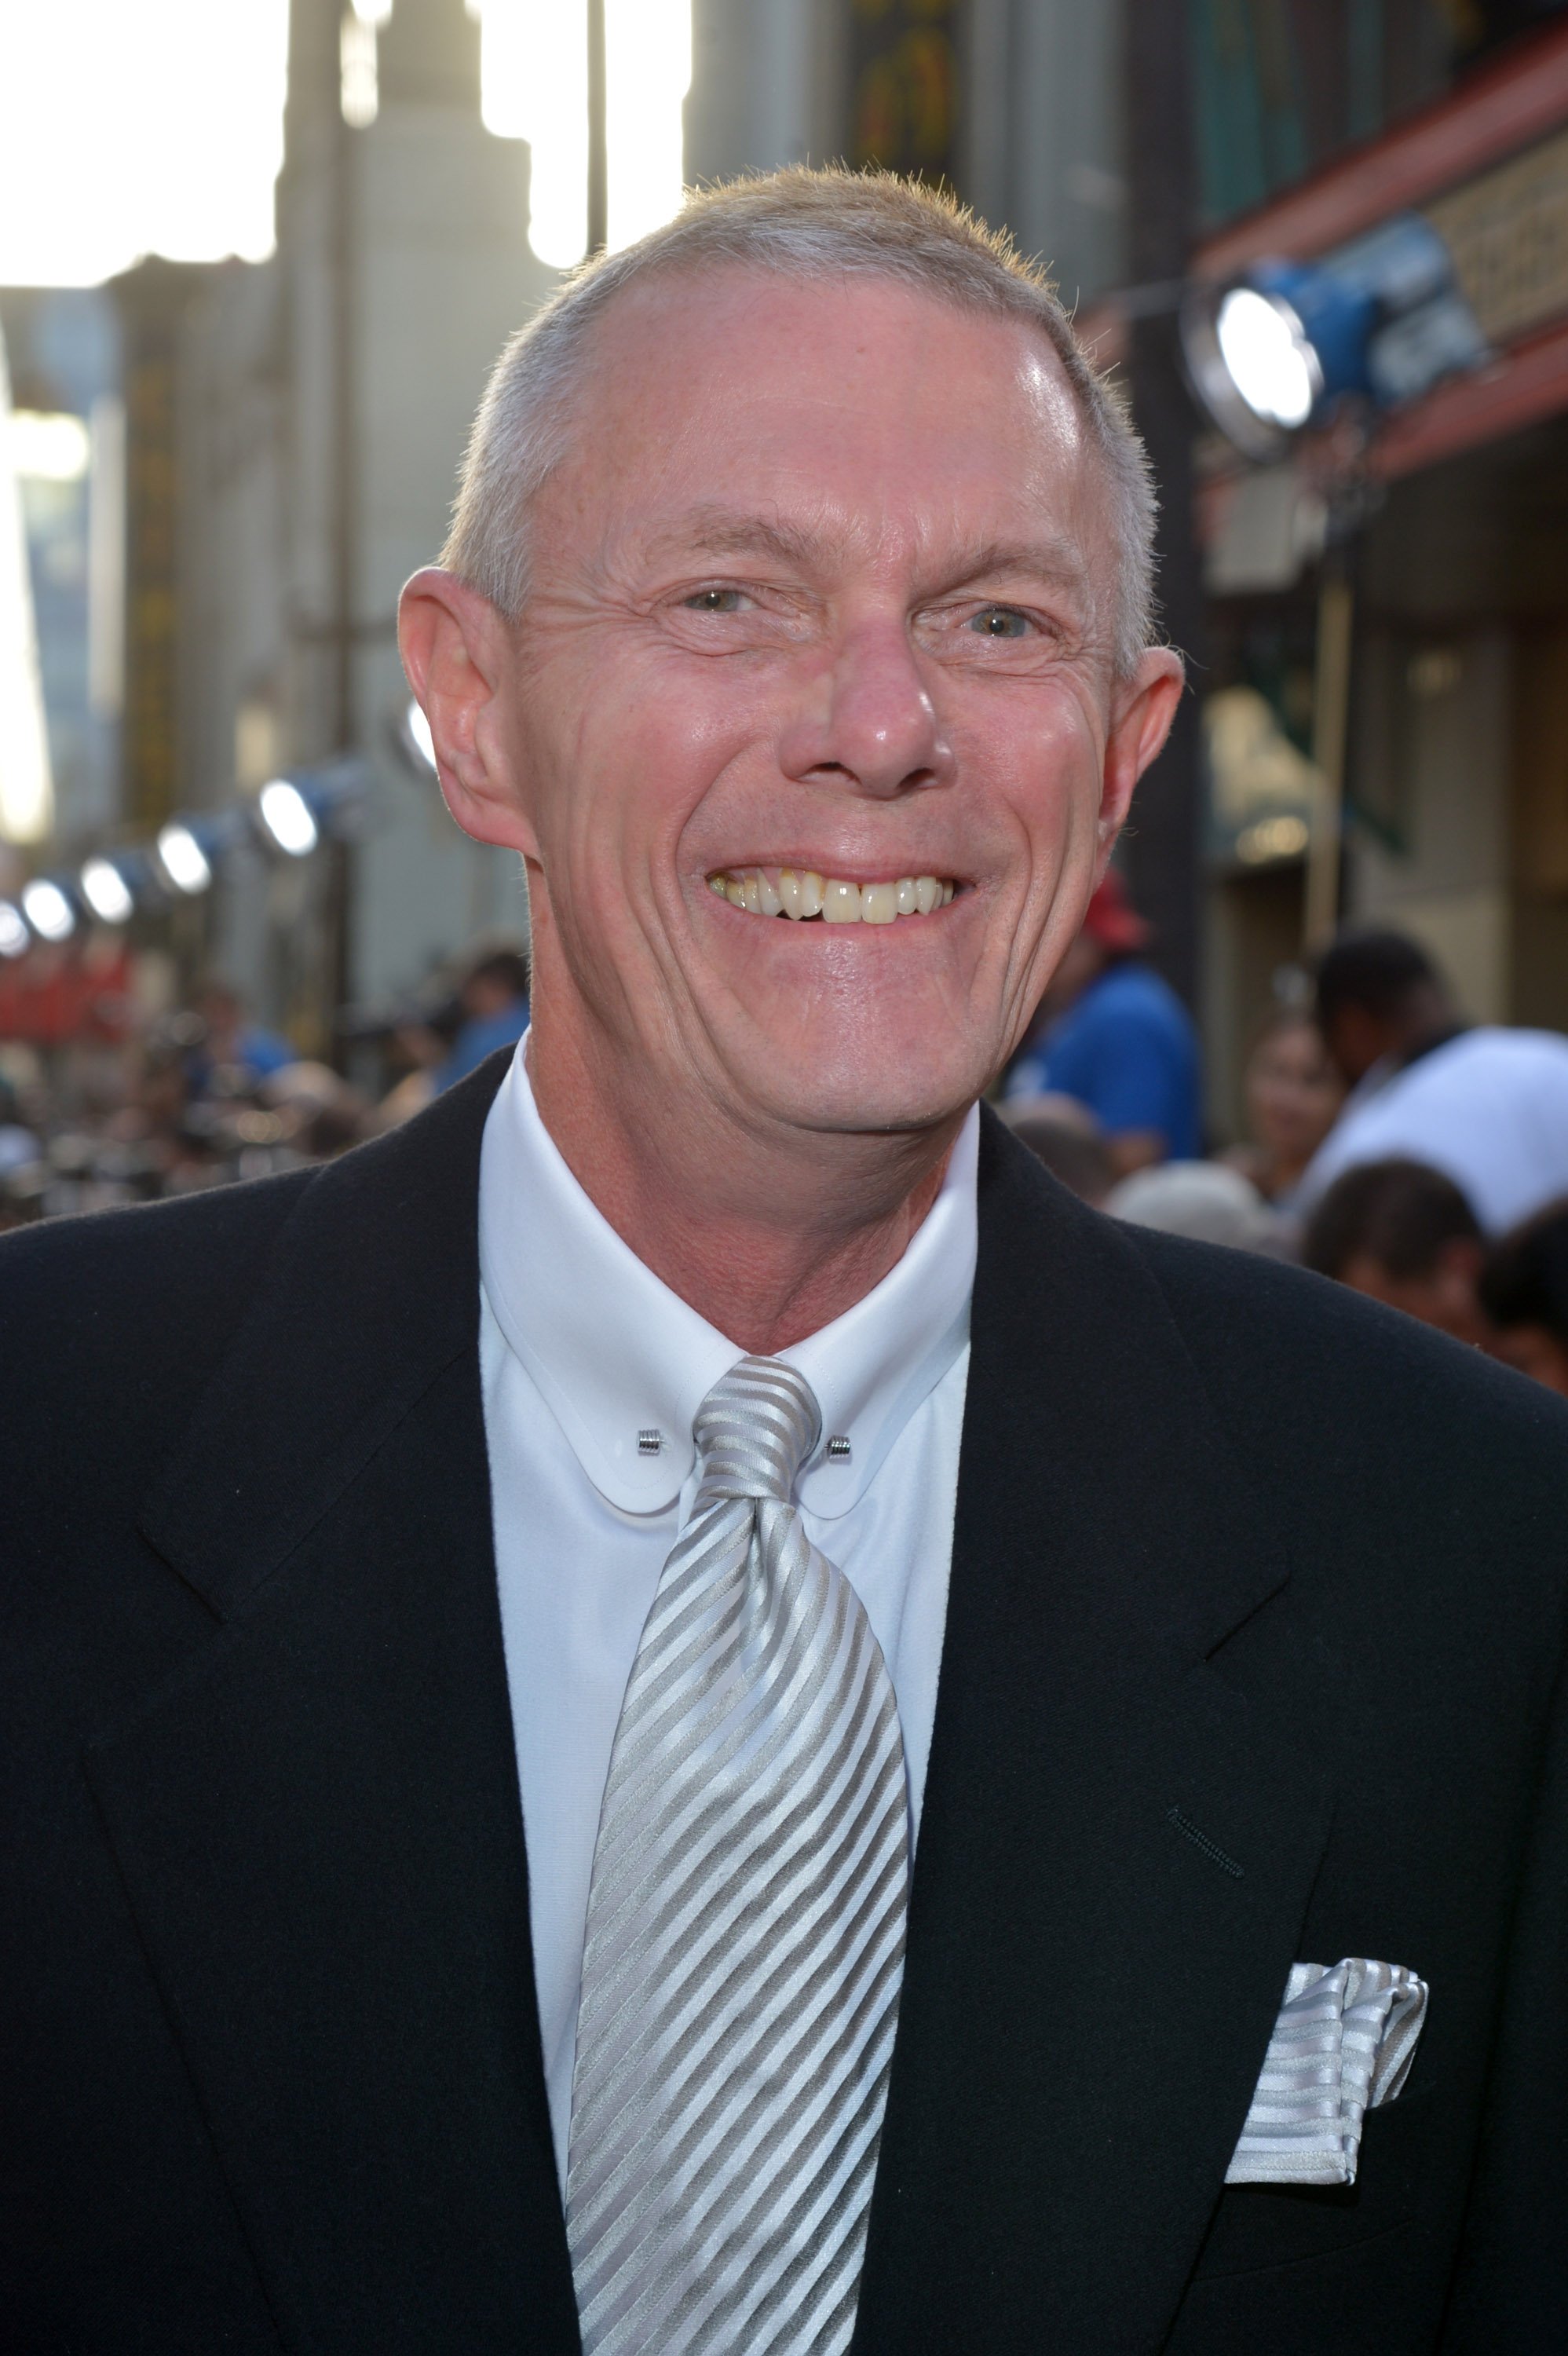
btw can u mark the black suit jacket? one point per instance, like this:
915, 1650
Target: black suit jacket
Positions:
1254, 1631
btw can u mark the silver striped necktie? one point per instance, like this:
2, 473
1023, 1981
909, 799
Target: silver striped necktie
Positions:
745, 1928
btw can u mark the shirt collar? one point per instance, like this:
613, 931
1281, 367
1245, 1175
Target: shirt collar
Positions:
617, 1355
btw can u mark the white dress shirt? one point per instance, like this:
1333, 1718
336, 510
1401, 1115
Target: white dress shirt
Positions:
584, 1350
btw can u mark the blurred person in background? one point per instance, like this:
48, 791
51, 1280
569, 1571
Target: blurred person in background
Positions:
156, 1093
318, 1114
1524, 1293
1113, 1035
1487, 1106
232, 1052
415, 1044
1205, 1201
1404, 1235
494, 1008
1292, 1093
18, 1145
1061, 1133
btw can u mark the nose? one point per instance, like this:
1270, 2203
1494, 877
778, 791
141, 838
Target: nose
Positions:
868, 723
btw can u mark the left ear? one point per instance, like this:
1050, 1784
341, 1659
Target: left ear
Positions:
1142, 711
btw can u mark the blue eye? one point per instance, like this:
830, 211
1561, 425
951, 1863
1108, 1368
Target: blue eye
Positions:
999, 621
714, 601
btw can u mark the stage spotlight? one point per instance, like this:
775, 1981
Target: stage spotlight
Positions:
288, 818
1382, 319
1272, 365
48, 910
13, 934
106, 891
183, 860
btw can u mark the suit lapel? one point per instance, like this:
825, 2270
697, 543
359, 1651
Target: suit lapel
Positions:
1115, 1859
317, 1817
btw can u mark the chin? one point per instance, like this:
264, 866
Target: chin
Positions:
910, 1089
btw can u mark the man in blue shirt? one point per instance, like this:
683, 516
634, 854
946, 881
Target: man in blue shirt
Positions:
494, 1003
1118, 1040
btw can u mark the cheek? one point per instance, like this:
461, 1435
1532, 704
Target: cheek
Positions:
614, 786
1043, 762
645, 758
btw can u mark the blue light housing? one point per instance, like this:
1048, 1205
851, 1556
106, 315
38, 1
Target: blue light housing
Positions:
1381, 320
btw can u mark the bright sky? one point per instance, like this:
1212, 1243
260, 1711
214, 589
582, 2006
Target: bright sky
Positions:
136, 126
155, 126
536, 88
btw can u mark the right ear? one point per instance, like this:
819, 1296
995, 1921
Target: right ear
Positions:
455, 650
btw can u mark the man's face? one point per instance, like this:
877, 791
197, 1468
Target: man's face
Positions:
823, 591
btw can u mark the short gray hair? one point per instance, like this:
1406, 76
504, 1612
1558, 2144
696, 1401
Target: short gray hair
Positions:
800, 223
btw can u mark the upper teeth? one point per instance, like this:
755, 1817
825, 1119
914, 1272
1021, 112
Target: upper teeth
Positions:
802, 892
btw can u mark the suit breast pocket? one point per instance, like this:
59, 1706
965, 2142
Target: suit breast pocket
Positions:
1258, 2226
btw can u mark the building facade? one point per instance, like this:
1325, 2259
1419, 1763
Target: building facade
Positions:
327, 395
1426, 531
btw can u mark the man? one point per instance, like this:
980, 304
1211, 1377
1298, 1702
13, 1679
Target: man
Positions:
495, 1616
1203, 1200
1487, 1107
494, 1001
1404, 1234
232, 1044
1118, 1040
1067, 1139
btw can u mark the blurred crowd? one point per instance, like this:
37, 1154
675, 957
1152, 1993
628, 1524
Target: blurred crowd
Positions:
1390, 1144
200, 1094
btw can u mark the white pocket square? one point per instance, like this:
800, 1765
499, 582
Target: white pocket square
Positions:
1343, 2043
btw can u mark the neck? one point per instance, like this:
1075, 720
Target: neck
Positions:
769, 1237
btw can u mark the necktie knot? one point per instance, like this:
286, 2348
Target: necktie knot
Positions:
755, 1430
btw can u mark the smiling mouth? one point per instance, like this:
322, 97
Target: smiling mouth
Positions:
802, 894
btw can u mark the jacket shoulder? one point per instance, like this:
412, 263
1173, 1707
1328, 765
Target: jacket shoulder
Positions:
115, 1324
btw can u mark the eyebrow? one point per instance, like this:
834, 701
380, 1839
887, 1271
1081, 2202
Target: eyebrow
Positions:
727, 531
1053, 559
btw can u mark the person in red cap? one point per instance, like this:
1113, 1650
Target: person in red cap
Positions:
1114, 1036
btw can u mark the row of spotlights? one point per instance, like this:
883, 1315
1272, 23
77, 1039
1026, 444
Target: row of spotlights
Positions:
286, 818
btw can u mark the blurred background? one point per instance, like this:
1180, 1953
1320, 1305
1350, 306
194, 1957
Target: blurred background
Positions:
255, 262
